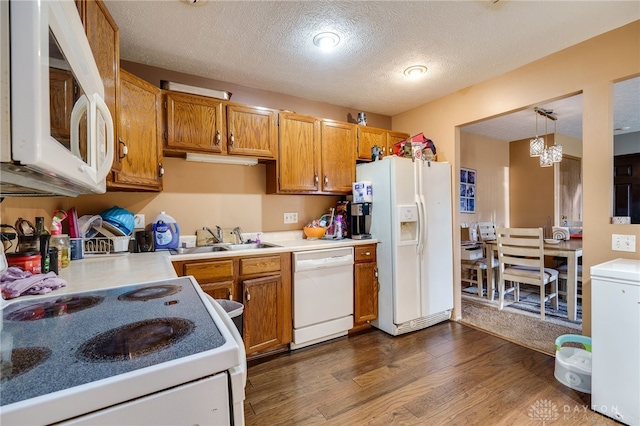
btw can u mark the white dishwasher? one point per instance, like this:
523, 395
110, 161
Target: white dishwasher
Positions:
322, 295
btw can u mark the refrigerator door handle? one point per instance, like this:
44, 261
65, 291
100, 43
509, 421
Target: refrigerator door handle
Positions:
423, 220
420, 246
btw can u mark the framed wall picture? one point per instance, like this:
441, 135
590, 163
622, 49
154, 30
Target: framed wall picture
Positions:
467, 190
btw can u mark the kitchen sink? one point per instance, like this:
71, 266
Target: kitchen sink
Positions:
247, 246
222, 247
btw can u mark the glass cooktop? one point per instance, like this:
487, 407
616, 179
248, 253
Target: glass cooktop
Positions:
59, 342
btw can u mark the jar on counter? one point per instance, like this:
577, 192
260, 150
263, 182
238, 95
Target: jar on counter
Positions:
63, 243
27, 261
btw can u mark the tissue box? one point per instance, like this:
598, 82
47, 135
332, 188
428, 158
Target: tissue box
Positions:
362, 192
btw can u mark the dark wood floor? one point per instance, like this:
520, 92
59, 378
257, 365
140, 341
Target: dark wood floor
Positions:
447, 374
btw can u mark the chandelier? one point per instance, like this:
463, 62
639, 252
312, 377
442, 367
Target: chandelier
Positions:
538, 146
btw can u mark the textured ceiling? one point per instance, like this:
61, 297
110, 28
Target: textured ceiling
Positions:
522, 124
268, 44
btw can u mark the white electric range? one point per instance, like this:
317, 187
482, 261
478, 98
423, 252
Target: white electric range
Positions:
151, 353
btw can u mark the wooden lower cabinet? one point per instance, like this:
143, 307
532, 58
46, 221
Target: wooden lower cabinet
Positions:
262, 313
262, 283
365, 286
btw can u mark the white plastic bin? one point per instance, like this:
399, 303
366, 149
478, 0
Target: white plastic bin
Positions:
234, 310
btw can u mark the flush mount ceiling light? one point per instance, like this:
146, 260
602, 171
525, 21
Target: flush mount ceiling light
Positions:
326, 40
415, 71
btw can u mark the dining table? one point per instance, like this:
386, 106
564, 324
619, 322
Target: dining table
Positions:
569, 249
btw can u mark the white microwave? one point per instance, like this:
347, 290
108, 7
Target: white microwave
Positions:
57, 135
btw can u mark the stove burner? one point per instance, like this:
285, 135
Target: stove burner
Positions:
151, 292
62, 306
23, 360
136, 339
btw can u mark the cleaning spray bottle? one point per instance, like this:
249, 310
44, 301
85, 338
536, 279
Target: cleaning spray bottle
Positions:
166, 231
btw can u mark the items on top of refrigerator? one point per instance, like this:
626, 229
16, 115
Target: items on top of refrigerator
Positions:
418, 147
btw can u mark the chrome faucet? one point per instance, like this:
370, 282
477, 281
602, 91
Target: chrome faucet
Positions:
238, 231
217, 236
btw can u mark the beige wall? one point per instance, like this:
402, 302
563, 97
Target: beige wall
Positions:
490, 158
196, 195
590, 67
531, 187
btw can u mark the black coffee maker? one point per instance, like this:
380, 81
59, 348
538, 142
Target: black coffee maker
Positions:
360, 221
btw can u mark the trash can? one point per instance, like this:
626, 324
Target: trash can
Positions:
573, 364
234, 310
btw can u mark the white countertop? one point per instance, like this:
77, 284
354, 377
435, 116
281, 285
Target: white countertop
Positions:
95, 272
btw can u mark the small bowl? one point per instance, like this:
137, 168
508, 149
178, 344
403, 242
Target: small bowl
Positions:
551, 241
314, 233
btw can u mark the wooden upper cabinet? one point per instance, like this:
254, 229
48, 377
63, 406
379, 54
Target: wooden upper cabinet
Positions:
139, 135
367, 138
193, 123
392, 139
338, 156
104, 39
252, 131
298, 166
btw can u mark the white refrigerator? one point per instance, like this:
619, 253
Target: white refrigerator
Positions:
412, 220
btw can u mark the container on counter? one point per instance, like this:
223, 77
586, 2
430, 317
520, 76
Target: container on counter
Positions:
63, 243
53, 260
166, 231
77, 248
27, 261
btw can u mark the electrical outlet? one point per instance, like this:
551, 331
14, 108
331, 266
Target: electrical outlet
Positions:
291, 217
623, 242
138, 221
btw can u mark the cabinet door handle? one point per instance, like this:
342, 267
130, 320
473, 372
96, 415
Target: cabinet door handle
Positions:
232, 139
326, 180
375, 273
367, 253
124, 150
315, 179
230, 297
218, 137
160, 170
247, 295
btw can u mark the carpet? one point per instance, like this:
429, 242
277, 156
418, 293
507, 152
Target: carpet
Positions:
530, 302
520, 327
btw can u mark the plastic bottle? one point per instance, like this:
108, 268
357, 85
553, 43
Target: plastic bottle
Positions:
166, 231
63, 244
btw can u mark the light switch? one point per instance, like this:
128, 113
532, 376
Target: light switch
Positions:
623, 242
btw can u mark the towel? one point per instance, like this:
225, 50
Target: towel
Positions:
560, 233
15, 282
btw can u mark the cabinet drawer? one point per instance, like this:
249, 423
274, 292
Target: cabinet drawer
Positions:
210, 271
365, 253
259, 265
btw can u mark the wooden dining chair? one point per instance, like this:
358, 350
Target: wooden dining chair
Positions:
521, 259
562, 281
474, 272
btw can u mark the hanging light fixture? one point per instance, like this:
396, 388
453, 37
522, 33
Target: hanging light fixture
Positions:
536, 145
545, 157
555, 150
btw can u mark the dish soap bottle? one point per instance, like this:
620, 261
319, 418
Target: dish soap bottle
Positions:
166, 231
